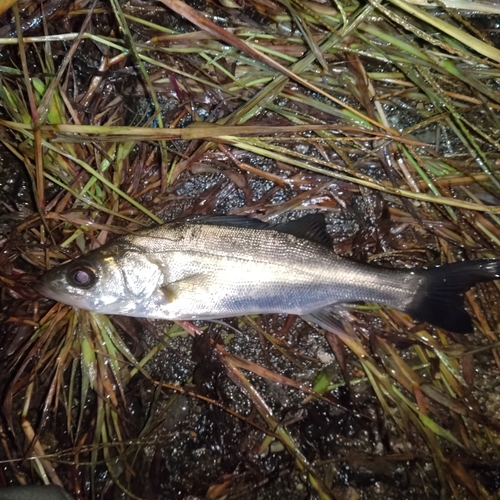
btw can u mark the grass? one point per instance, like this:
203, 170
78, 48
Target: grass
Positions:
383, 116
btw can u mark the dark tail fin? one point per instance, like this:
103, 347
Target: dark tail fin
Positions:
440, 298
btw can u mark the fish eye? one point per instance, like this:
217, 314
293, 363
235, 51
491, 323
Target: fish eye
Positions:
82, 276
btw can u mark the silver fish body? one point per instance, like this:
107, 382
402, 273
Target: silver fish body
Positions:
219, 267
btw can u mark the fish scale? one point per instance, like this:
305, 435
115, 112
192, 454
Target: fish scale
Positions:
304, 278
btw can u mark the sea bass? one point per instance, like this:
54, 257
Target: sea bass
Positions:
216, 267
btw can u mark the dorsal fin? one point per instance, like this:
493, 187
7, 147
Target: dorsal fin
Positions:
226, 220
310, 227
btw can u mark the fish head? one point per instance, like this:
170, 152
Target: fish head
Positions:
106, 280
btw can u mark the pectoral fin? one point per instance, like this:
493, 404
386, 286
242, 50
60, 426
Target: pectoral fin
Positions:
168, 292
191, 284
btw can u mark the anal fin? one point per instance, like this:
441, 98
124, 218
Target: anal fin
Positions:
325, 319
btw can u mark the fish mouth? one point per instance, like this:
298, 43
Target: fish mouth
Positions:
39, 287
43, 289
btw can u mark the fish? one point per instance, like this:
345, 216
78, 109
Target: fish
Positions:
214, 267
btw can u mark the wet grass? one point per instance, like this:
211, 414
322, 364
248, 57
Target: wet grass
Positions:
383, 116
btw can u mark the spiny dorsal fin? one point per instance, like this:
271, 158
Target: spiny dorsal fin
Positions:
226, 220
310, 227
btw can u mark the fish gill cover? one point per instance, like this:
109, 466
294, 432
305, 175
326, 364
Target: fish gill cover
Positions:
382, 116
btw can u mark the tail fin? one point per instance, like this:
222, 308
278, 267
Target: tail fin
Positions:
440, 298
